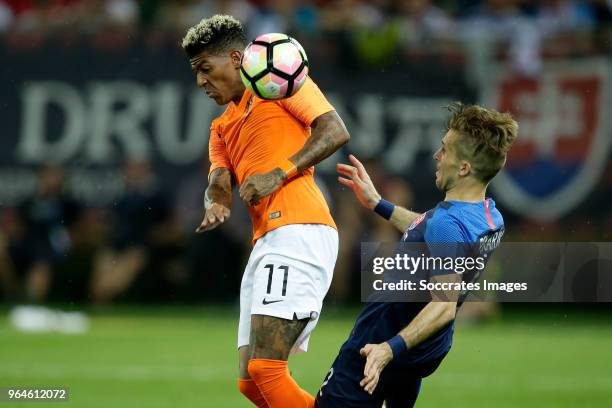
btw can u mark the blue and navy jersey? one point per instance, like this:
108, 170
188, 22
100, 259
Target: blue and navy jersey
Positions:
469, 230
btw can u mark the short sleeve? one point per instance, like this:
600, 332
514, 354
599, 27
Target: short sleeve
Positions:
308, 103
217, 152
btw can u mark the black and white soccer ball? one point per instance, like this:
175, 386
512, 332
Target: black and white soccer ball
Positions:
274, 66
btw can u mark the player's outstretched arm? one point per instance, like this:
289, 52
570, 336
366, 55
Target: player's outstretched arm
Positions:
434, 316
217, 199
357, 178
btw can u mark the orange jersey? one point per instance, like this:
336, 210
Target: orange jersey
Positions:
256, 136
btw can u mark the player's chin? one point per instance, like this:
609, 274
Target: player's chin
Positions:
440, 184
219, 100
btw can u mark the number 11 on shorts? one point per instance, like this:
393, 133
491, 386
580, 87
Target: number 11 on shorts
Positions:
270, 268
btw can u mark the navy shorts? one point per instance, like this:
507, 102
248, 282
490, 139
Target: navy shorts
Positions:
398, 386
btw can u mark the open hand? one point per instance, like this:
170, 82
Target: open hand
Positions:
357, 178
216, 214
377, 358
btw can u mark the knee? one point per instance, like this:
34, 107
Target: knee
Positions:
258, 369
246, 387
249, 389
243, 362
254, 369
266, 369
243, 370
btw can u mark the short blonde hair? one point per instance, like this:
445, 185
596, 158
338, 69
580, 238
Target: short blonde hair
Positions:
214, 35
486, 137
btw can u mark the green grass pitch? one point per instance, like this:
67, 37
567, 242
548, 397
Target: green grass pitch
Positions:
185, 357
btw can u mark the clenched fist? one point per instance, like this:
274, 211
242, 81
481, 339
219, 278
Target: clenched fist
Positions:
259, 186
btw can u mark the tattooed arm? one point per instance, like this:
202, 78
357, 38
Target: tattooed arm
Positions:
328, 134
217, 199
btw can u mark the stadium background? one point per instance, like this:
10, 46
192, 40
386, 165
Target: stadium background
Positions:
104, 161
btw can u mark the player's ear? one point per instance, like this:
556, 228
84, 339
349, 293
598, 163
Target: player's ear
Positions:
465, 168
236, 57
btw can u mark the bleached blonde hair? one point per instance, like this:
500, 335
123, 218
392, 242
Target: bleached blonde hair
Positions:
214, 35
487, 136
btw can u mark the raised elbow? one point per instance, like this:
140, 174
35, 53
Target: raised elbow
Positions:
343, 138
343, 133
331, 123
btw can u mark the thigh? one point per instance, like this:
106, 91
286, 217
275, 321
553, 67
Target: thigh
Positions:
403, 384
273, 337
295, 267
287, 290
286, 287
288, 278
341, 389
403, 393
246, 298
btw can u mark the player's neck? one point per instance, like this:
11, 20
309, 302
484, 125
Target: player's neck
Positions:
238, 97
468, 193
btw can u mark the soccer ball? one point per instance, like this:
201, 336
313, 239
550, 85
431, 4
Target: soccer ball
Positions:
274, 66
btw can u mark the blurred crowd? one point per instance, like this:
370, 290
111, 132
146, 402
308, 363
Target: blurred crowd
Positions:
376, 33
143, 247
53, 248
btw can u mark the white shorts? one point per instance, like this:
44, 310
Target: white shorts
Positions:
288, 274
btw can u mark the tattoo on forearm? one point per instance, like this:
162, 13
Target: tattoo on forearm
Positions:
328, 135
219, 189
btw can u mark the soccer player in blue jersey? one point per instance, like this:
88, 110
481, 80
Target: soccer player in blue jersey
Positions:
394, 345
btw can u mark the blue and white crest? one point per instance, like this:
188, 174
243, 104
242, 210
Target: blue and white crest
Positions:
564, 138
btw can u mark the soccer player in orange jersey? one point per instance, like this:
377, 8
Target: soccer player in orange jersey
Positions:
269, 149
